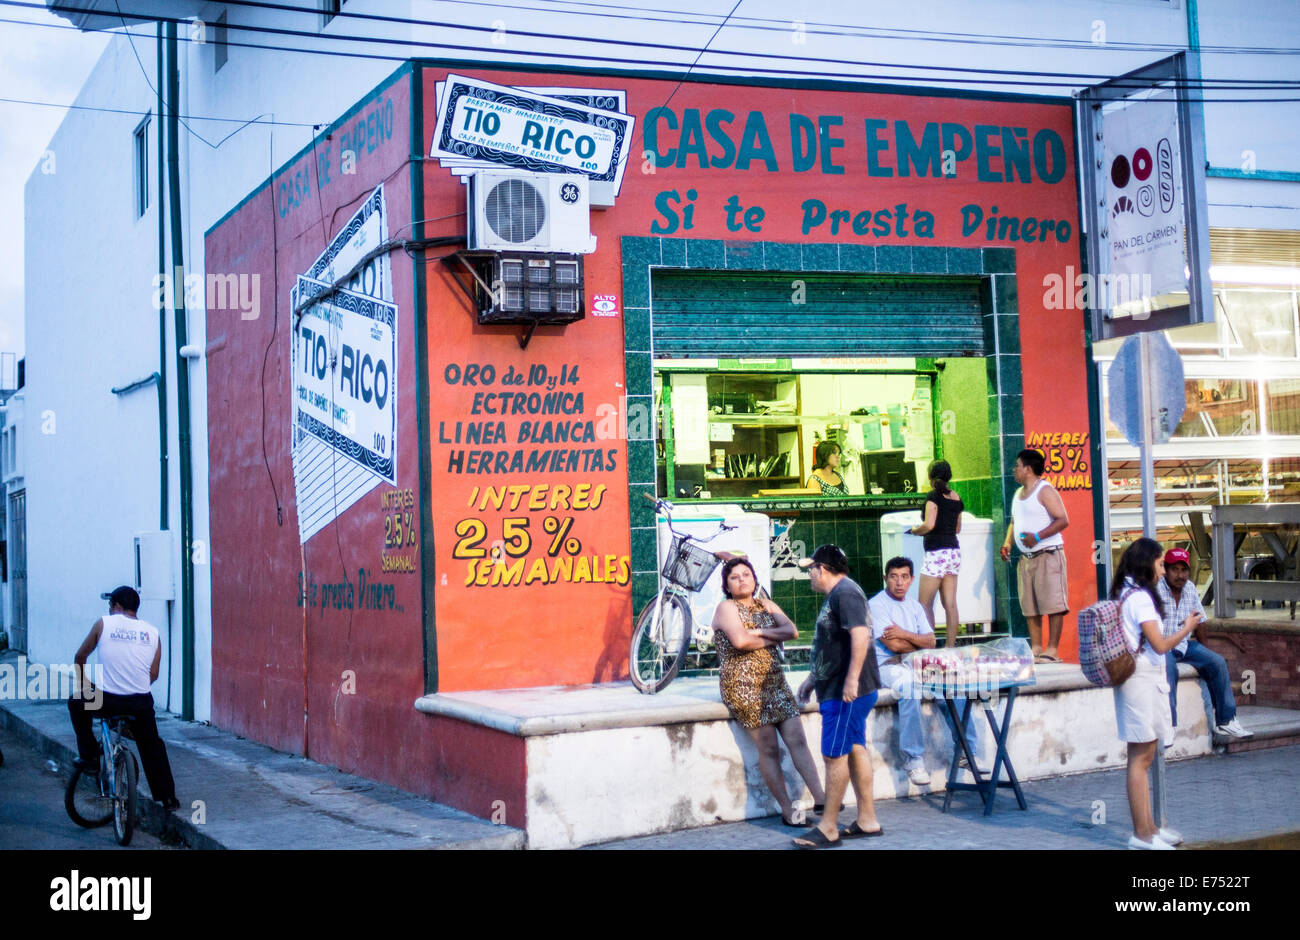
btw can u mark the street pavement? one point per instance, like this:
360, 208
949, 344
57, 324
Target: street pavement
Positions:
1218, 801
238, 794
31, 806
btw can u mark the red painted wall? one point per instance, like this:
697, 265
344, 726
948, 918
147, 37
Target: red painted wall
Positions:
353, 669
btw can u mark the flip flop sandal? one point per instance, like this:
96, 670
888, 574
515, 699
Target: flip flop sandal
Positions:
1043, 659
854, 831
815, 839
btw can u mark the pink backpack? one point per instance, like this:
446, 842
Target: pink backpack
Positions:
1104, 653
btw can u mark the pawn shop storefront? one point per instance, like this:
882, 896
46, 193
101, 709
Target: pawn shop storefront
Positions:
772, 266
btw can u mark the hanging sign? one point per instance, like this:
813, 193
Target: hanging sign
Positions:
479, 120
344, 371
1148, 244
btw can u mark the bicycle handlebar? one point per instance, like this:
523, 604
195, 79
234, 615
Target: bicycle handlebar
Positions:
666, 508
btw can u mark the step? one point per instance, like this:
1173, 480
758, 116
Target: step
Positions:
1273, 727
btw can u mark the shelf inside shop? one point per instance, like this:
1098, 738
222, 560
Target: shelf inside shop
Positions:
790, 420
713, 479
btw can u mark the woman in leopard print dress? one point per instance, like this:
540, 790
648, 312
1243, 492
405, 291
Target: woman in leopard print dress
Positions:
753, 685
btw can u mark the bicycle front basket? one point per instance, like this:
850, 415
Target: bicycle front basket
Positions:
688, 565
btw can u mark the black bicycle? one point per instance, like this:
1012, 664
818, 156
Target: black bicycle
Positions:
95, 799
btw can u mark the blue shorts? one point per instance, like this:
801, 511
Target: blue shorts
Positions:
844, 725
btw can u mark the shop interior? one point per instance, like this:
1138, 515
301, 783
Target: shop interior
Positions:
749, 429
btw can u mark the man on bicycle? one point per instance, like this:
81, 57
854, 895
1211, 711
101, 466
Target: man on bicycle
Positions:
130, 654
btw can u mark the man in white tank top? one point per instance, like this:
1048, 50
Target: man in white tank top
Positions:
1037, 519
130, 655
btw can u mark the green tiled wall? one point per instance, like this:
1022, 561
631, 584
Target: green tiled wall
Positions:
857, 534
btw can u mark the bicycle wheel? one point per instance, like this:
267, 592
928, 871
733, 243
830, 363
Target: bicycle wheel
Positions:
659, 644
126, 775
86, 804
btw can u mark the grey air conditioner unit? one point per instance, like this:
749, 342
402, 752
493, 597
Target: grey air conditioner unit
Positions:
511, 210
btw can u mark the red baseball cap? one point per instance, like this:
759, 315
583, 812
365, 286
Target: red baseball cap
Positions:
1178, 556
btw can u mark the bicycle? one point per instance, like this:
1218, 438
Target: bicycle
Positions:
665, 627
93, 800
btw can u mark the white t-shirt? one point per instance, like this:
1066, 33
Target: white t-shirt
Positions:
126, 650
885, 611
1139, 608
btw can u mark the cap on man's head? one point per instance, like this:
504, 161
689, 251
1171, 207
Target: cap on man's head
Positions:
124, 597
1178, 556
830, 557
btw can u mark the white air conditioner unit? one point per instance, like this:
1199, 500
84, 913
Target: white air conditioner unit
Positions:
520, 211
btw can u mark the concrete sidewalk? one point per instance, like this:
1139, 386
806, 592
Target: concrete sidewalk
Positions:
254, 797
1216, 801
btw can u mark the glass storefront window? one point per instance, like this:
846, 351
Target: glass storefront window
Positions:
1264, 322
751, 428
1219, 408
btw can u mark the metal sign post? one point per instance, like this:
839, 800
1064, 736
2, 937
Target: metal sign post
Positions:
1145, 372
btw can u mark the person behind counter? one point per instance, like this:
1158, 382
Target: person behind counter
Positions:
943, 509
753, 686
825, 478
1142, 715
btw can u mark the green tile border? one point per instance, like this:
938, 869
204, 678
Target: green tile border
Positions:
998, 295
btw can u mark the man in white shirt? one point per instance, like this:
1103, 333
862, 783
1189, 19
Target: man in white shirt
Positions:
901, 626
130, 655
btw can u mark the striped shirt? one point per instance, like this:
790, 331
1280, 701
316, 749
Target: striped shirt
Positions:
1177, 613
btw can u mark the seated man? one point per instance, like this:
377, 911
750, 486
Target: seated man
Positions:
900, 626
1180, 601
130, 655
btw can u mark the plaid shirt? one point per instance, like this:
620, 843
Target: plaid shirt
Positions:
1176, 614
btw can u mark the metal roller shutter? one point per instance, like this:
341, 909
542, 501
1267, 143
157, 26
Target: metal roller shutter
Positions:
756, 314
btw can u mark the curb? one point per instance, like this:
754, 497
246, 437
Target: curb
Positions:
152, 818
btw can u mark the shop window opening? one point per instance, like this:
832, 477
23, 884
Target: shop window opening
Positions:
742, 429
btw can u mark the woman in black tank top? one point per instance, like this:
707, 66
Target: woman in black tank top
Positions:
943, 509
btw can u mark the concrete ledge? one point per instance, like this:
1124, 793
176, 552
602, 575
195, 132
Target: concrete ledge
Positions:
693, 766
1230, 625
572, 709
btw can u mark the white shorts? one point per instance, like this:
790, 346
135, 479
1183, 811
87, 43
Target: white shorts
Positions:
942, 561
1142, 706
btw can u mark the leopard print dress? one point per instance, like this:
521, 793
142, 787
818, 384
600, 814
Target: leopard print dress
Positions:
752, 682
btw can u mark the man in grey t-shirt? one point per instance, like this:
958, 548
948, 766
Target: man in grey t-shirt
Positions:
845, 677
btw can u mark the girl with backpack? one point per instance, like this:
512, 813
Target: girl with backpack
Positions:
1142, 701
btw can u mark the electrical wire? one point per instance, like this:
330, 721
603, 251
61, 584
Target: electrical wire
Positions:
86, 107
1203, 84
786, 27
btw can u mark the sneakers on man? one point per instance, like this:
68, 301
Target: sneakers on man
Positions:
86, 767
916, 772
1170, 836
1156, 843
170, 804
1235, 730
964, 764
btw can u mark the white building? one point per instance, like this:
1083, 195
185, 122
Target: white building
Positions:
13, 512
92, 433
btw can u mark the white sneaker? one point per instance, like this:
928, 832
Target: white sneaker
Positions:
1170, 836
1235, 730
964, 764
916, 772
1156, 843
